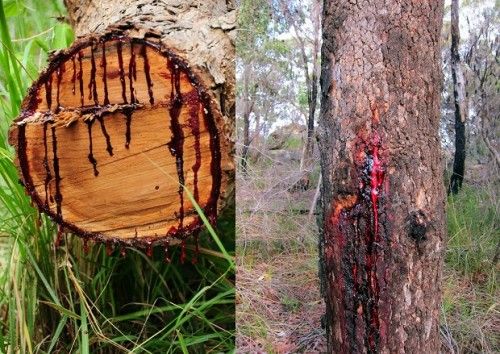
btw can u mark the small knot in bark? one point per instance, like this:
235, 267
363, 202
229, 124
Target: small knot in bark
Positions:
417, 226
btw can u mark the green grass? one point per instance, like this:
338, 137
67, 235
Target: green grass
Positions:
66, 301
470, 308
290, 303
474, 233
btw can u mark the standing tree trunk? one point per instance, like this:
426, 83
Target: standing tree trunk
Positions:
311, 81
460, 103
246, 143
312, 85
140, 105
248, 104
382, 223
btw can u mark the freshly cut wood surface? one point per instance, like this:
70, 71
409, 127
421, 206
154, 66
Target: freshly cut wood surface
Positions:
109, 133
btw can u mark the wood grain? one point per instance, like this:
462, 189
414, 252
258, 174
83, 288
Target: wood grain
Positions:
108, 133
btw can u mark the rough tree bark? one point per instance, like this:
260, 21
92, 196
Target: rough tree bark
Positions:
141, 103
382, 203
460, 101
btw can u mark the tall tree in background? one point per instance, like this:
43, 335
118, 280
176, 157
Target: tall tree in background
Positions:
253, 20
262, 72
482, 57
248, 102
308, 43
382, 224
460, 100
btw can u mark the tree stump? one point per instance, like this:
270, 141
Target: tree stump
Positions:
114, 128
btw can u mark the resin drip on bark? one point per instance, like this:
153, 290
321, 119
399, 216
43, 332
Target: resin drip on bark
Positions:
147, 74
60, 72
104, 74
371, 183
58, 196
73, 77
132, 74
92, 83
91, 157
176, 143
183, 251
354, 229
122, 72
109, 147
166, 252
193, 103
215, 166
48, 91
128, 123
80, 79
48, 175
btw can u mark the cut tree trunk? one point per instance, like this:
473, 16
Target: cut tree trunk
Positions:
382, 198
460, 100
140, 105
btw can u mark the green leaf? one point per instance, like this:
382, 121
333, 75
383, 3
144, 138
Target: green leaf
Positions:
63, 36
61, 309
84, 330
12, 8
182, 343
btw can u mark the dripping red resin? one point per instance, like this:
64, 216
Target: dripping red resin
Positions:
122, 71
176, 144
104, 74
374, 176
92, 84
356, 231
194, 100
